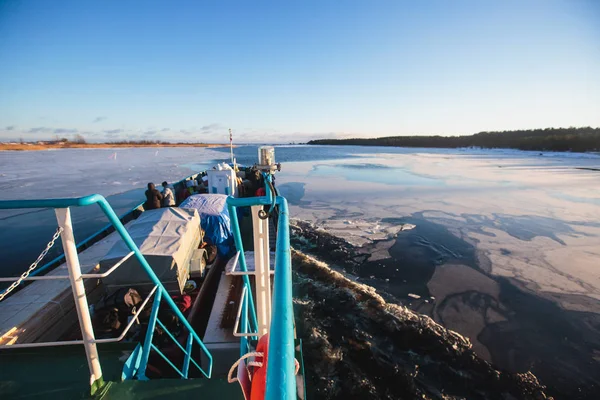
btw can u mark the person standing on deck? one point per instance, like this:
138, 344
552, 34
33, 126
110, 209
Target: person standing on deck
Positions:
168, 197
153, 198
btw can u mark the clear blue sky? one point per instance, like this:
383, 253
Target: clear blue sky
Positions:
294, 70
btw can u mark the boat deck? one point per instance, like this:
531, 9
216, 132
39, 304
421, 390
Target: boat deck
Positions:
56, 372
179, 389
40, 374
218, 336
38, 312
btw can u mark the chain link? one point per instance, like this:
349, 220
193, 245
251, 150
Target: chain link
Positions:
32, 266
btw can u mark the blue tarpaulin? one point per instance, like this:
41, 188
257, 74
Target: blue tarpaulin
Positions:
214, 220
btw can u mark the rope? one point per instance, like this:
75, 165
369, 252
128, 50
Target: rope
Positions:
33, 266
234, 366
258, 364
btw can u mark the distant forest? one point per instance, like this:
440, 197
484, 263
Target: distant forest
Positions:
549, 139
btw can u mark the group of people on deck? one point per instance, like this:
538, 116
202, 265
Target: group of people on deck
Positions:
156, 199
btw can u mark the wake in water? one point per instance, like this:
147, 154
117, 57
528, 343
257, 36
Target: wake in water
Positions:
357, 345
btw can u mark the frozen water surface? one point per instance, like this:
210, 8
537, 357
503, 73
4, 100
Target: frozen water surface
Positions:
516, 201
497, 199
77, 172
121, 175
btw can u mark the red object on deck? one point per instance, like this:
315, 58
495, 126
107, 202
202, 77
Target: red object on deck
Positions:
259, 379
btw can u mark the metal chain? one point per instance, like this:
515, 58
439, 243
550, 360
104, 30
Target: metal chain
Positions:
32, 266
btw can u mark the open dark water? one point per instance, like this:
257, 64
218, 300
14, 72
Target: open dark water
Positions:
504, 249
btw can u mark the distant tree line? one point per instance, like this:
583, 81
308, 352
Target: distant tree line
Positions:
78, 139
141, 142
549, 139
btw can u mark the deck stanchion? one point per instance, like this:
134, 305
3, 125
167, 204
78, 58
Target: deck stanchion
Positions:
63, 216
244, 317
262, 266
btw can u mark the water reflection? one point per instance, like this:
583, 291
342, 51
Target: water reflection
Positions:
374, 173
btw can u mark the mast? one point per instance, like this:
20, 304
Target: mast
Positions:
231, 145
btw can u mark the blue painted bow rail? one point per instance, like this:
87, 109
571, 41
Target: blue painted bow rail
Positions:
161, 292
281, 380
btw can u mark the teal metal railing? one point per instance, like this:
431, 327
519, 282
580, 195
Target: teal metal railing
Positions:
47, 267
281, 380
148, 346
160, 292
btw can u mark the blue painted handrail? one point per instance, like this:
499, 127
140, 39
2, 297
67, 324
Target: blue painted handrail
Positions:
281, 382
116, 222
47, 266
148, 345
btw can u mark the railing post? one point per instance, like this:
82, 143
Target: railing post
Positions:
63, 216
262, 266
149, 335
244, 329
188, 356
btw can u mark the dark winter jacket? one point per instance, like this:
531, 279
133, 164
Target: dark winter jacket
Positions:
153, 198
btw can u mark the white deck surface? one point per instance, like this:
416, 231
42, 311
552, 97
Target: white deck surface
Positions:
233, 267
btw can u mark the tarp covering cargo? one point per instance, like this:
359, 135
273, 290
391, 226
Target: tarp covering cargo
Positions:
214, 218
167, 237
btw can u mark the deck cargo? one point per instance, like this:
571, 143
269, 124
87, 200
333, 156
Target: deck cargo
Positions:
214, 218
167, 238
